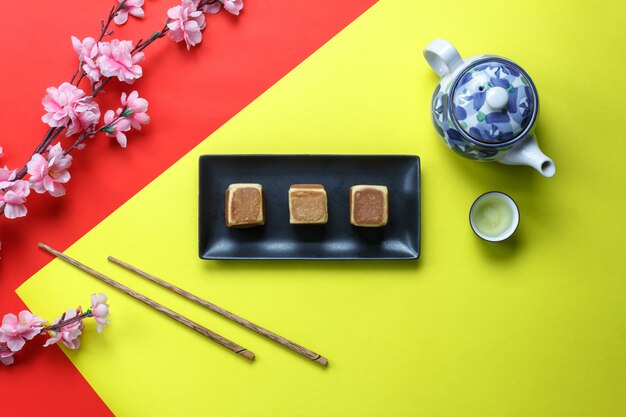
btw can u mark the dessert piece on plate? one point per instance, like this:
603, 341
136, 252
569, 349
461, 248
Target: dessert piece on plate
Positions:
308, 204
245, 205
369, 205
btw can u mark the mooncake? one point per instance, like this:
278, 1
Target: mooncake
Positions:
308, 204
369, 205
245, 205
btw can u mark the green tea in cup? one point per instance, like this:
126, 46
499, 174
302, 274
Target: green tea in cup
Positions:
494, 216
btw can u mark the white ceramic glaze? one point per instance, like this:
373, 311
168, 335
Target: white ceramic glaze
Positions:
485, 108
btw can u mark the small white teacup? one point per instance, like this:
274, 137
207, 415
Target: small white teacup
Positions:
494, 216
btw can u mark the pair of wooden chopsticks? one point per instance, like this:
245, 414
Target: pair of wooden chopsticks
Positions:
181, 319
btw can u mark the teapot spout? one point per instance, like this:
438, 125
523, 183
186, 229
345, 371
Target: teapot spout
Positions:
527, 152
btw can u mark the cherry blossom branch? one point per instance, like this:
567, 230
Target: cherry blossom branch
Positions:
90, 133
103, 32
62, 323
105, 26
70, 111
141, 45
78, 69
51, 134
15, 331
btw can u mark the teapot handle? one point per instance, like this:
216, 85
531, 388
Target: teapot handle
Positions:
442, 57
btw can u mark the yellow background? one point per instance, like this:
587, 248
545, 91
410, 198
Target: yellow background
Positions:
531, 327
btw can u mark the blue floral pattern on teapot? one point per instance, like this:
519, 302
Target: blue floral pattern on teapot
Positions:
485, 107
477, 117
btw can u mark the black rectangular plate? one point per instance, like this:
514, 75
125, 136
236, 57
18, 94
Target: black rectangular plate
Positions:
337, 239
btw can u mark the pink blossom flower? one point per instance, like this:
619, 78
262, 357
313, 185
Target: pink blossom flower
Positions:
68, 334
12, 199
48, 174
86, 114
68, 106
117, 60
186, 23
15, 331
6, 177
87, 48
87, 52
60, 103
6, 357
117, 128
136, 108
92, 70
233, 6
132, 7
100, 310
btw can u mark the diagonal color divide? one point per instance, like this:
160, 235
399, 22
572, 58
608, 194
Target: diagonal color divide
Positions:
533, 327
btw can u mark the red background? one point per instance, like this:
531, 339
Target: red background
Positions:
190, 94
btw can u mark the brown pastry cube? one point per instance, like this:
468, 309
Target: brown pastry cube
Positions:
368, 205
308, 204
244, 205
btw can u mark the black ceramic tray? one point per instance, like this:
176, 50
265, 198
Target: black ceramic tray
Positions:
338, 239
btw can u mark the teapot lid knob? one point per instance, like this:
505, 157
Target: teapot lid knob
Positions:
493, 102
497, 98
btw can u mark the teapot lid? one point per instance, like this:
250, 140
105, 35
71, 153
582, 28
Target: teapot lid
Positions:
494, 101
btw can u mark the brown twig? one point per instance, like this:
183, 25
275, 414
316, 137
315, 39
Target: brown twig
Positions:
80, 65
141, 45
89, 133
61, 323
105, 26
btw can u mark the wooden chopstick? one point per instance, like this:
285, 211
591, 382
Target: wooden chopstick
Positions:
171, 314
245, 323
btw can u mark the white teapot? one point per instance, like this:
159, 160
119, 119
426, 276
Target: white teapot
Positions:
485, 108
